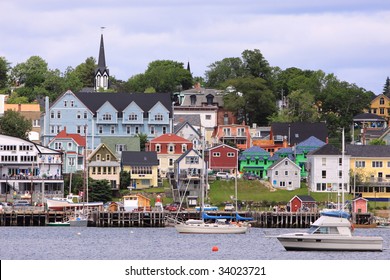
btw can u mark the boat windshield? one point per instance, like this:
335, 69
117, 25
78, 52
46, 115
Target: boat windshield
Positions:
322, 230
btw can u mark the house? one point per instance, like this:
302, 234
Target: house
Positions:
169, 147
370, 168
118, 144
380, 106
232, 134
103, 164
328, 170
284, 174
360, 205
189, 171
31, 112
368, 126
187, 131
136, 202
222, 158
26, 166
72, 145
255, 160
283, 135
302, 203
302, 149
143, 168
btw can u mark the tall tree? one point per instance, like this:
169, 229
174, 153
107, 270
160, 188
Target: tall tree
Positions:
85, 72
4, 69
14, 124
386, 88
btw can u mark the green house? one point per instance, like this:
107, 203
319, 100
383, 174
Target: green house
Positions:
255, 160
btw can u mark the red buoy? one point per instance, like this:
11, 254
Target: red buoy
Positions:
214, 249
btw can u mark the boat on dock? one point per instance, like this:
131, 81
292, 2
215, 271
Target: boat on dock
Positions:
71, 201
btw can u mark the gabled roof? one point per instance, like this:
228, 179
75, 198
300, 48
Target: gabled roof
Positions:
253, 152
98, 148
305, 198
223, 145
139, 158
80, 140
300, 131
169, 138
279, 161
187, 152
193, 119
327, 149
94, 100
372, 151
182, 125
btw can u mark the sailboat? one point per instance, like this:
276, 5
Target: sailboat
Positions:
218, 224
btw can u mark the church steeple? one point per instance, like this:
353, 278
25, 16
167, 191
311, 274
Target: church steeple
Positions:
101, 72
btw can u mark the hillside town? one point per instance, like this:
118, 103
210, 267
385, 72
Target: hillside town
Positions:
97, 132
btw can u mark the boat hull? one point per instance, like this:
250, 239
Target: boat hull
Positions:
330, 243
58, 205
78, 223
59, 224
210, 229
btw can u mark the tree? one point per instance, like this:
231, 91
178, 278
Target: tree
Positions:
4, 69
99, 190
386, 88
14, 124
377, 142
124, 180
161, 76
85, 72
30, 73
143, 139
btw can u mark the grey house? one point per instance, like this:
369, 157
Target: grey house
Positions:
285, 174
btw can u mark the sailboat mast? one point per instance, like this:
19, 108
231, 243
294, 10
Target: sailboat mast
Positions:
342, 169
202, 178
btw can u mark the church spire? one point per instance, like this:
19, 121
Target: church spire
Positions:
101, 72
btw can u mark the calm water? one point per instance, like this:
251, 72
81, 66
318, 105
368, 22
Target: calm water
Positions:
50, 243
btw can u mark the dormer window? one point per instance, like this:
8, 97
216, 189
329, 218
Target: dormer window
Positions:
158, 117
210, 99
133, 117
193, 99
382, 101
107, 117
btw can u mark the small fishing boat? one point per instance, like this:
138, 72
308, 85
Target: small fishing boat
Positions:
59, 224
71, 202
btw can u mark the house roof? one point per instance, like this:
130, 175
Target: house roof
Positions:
187, 152
178, 127
253, 152
94, 100
22, 107
80, 140
223, 145
300, 131
368, 117
169, 138
327, 149
373, 151
280, 160
139, 158
305, 198
193, 119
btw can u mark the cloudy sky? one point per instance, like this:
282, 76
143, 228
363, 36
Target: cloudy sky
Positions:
350, 38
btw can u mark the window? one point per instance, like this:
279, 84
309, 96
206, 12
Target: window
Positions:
192, 159
286, 162
158, 117
340, 174
323, 174
241, 131
377, 164
71, 161
70, 145
65, 103
59, 115
381, 111
226, 131
183, 148
133, 117
128, 129
72, 103
57, 145
208, 117
52, 114
360, 163
230, 154
286, 173
216, 154
388, 164
107, 117
158, 148
120, 147
276, 172
85, 115
100, 129
108, 157
171, 161
171, 148
340, 161
323, 161
112, 129
79, 129
98, 157
35, 123
282, 184
152, 131
382, 101
164, 129
78, 115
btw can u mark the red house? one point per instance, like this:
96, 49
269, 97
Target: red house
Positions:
301, 203
360, 205
223, 158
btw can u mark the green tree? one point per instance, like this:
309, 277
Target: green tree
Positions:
377, 142
143, 139
30, 73
4, 69
124, 180
221, 71
85, 72
16, 99
162, 76
14, 124
301, 107
99, 190
386, 88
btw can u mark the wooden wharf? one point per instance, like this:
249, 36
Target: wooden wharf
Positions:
153, 218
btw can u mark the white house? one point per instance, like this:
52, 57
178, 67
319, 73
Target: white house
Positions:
285, 174
328, 170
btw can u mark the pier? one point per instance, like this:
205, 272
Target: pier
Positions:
153, 218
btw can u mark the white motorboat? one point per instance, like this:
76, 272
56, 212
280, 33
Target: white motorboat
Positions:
220, 226
330, 234
70, 202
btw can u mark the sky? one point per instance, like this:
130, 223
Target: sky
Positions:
349, 38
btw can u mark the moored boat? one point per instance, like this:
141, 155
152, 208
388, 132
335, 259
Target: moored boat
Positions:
330, 234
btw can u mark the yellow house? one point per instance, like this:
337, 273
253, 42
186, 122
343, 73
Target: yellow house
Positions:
380, 106
370, 170
143, 168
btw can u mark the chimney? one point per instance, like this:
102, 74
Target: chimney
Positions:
19, 107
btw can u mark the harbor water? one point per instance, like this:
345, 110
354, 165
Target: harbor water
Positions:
91, 243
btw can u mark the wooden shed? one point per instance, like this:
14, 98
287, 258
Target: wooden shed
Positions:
303, 203
360, 205
136, 202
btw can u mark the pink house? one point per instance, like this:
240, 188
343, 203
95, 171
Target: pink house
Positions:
360, 205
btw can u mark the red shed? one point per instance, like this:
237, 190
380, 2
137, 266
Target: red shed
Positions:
360, 205
300, 203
